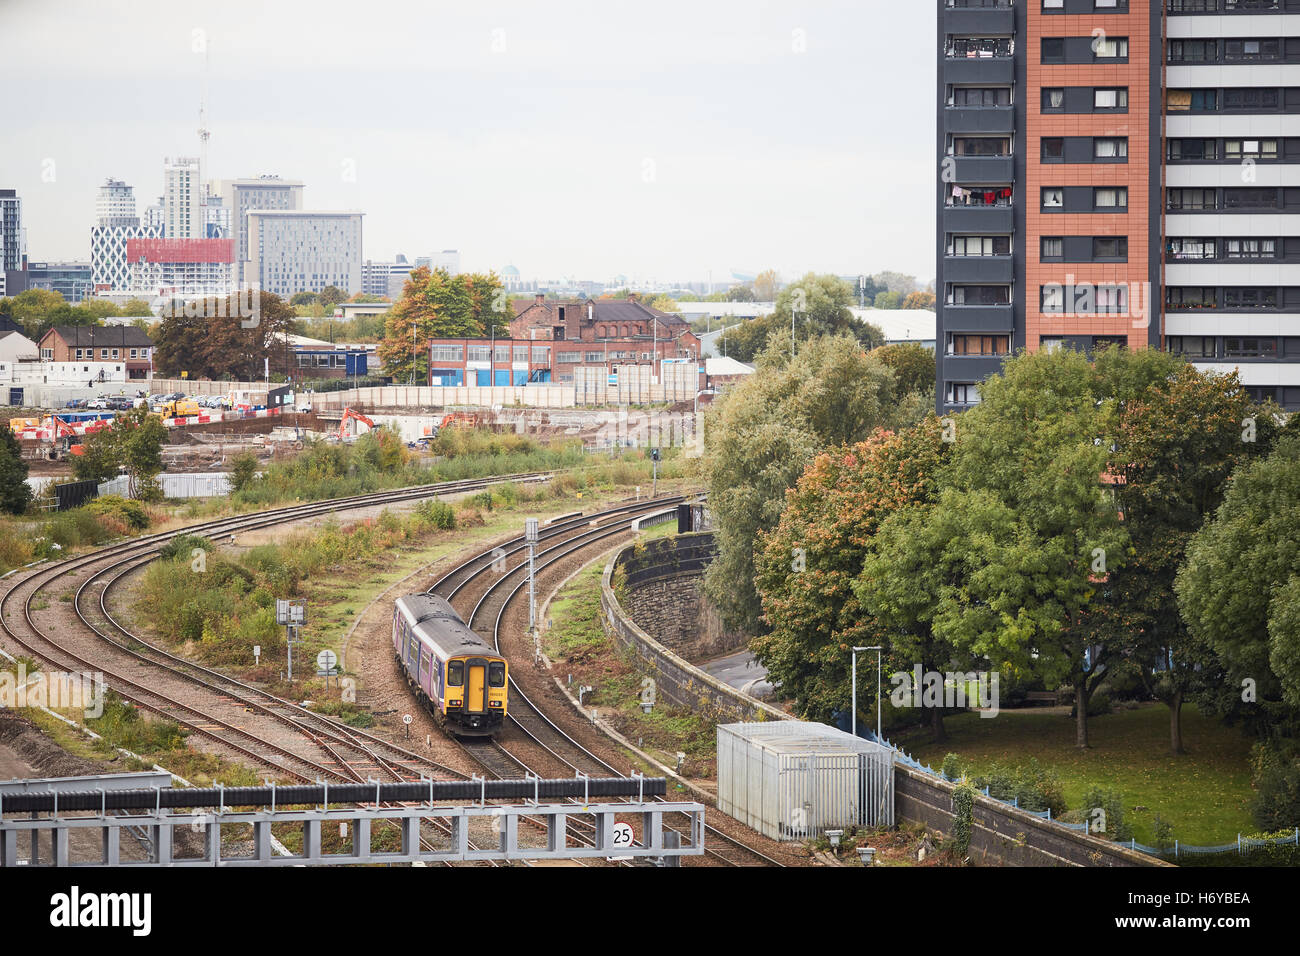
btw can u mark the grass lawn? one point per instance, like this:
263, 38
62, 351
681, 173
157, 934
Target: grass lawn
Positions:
1205, 794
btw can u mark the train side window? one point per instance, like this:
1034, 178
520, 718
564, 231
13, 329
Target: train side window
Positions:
497, 674
456, 674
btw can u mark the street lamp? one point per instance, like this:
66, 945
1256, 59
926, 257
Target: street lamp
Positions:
878, 651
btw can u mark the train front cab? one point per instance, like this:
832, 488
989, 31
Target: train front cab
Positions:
476, 694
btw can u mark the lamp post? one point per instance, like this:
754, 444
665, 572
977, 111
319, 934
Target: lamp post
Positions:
878, 651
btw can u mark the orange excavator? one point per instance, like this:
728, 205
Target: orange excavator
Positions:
350, 416
462, 419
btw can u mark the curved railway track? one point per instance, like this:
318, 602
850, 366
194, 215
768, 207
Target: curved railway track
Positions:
338, 751
487, 616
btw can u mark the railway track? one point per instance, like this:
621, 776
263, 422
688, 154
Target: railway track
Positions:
135, 669
487, 616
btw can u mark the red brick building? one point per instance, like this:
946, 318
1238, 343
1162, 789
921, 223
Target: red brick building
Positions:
603, 332
89, 343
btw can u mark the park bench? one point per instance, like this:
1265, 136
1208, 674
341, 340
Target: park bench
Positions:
1035, 697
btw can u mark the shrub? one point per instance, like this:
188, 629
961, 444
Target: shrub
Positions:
1111, 803
130, 513
963, 812
437, 514
952, 767
1277, 787
1032, 787
183, 546
243, 471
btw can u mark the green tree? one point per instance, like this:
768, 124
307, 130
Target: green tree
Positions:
919, 300
243, 471
435, 304
888, 300
99, 458
913, 365
805, 567
1238, 588
1178, 435
738, 293
331, 296
139, 446
135, 308
762, 434
15, 493
304, 298
1035, 529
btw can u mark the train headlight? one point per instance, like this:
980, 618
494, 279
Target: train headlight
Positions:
453, 703
494, 703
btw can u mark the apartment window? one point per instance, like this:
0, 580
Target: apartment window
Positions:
1252, 297
1264, 49
1053, 149
323, 361
480, 353
1250, 149
1053, 49
103, 354
1110, 247
979, 295
1250, 98
962, 393
1110, 148
1251, 347
1250, 198
1053, 4
1051, 343
979, 246
980, 96
1100, 342
47, 355
1110, 197
1250, 248
1191, 100
78, 353
1191, 248
1112, 299
520, 353
1110, 99
980, 47
1108, 48
978, 344
1191, 346
115, 353
1193, 199
133, 353
1053, 197
979, 196
980, 146
1190, 297
541, 355
1193, 149
1193, 51
1053, 247
1053, 99
569, 357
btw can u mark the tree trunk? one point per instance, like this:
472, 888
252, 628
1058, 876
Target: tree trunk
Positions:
1081, 714
936, 725
1176, 723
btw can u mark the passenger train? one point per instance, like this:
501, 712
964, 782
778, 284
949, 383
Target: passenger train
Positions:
456, 675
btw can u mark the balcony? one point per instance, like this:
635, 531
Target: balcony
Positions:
978, 269
979, 220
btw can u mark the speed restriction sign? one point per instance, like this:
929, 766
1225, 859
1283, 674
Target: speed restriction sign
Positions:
623, 837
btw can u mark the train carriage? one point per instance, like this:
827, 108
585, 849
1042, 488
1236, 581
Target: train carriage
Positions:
455, 674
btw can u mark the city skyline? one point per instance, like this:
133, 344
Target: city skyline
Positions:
739, 143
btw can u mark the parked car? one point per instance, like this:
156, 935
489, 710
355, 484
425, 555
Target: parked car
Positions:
76, 403
120, 404
98, 403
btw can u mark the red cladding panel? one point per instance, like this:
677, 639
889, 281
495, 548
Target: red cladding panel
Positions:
180, 250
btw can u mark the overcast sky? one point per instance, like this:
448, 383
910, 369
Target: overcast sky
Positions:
572, 139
